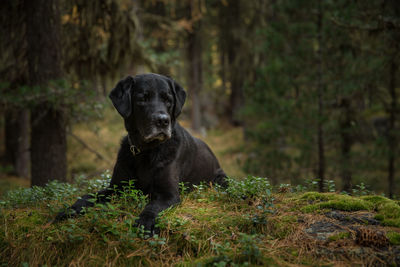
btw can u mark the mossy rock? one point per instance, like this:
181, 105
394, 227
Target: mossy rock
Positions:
334, 201
388, 210
316, 196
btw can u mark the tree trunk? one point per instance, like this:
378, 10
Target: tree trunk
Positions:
230, 45
320, 87
347, 142
139, 34
195, 74
48, 147
17, 141
392, 142
48, 124
236, 79
22, 164
11, 138
16, 119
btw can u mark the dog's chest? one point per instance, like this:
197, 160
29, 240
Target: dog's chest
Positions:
147, 172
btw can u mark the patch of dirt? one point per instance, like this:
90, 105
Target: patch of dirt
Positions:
349, 236
353, 218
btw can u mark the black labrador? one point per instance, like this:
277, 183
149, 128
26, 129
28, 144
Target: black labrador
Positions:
157, 152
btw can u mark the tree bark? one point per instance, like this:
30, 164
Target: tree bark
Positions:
48, 124
16, 134
48, 146
22, 163
17, 141
195, 76
347, 143
230, 45
236, 97
11, 134
320, 88
392, 142
194, 52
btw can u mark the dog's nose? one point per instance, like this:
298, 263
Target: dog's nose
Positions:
162, 120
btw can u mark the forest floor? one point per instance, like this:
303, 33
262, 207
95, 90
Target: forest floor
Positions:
250, 223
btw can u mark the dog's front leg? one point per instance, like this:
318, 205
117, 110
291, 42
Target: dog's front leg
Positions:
85, 201
119, 175
164, 195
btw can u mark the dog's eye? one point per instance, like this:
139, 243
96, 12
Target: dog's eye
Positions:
143, 97
167, 100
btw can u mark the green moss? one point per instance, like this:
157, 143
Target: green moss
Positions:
347, 205
283, 226
315, 196
335, 201
391, 222
388, 210
394, 238
310, 208
376, 200
26, 221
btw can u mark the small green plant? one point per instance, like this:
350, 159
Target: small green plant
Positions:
267, 208
330, 186
54, 190
221, 249
300, 188
177, 222
250, 187
361, 190
183, 188
312, 184
156, 242
249, 247
199, 190
223, 257
95, 184
131, 196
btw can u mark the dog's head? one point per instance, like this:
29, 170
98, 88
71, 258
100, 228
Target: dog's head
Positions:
149, 104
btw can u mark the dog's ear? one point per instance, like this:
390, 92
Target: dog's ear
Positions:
179, 97
121, 96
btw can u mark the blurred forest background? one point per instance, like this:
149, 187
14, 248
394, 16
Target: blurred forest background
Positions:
289, 90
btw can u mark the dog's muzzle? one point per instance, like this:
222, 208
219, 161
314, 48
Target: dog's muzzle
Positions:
158, 136
160, 129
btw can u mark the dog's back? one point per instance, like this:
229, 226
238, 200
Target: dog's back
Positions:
197, 161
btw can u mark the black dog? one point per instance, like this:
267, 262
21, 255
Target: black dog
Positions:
157, 153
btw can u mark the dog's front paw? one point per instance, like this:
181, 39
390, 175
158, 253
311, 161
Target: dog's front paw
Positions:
148, 224
63, 215
76, 209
